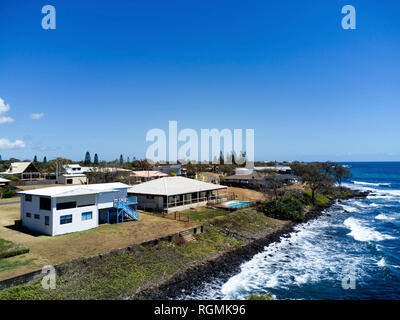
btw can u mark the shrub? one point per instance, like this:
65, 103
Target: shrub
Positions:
13, 178
287, 208
9, 249
6, 192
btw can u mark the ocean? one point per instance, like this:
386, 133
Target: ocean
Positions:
350, 252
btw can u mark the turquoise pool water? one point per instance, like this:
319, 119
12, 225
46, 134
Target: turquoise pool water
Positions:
237, 204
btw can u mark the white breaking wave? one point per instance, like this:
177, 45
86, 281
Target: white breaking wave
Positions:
363, 233
349, 208
361, 204
382, 262
372, 184
294, 261
383, 217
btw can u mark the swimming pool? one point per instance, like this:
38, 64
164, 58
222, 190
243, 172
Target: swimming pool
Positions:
237, 204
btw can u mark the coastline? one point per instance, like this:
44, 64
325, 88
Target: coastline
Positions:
165, 270
228, 263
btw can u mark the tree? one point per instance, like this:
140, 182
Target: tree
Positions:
121, 159
316, 177
190, 170
221, 158
88, 159
44, 159
96, 159
35, 159
273, 181
340, 173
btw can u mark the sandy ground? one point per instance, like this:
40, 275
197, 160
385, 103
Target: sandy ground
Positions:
252, 195
246, 194
46, 250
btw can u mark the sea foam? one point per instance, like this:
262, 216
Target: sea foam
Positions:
363, 233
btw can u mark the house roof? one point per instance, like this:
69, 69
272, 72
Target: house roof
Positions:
2, 180
109, 169
275, 168
170, 186
149, 174
74, 175
68, 191
17, 167
255, 175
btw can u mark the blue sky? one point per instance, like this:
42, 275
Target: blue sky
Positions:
112, 70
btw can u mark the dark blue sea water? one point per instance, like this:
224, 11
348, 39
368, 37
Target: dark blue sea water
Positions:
351, 252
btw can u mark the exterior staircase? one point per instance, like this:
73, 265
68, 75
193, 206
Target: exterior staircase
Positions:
123, 208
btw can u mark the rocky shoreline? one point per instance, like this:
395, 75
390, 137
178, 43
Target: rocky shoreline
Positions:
225, 264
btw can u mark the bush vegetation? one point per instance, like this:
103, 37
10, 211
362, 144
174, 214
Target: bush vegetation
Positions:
7, 192
287, 208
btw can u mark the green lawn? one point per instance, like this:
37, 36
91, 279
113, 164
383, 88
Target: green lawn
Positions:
200, 214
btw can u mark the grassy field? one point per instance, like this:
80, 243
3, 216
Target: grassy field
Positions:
121, 275
45, 250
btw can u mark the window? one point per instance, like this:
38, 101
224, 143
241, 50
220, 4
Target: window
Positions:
86, 205
37, 216
86, 216
28, 215
66, 205
46, 220
45, 204
28, 197
66, 219
69, 181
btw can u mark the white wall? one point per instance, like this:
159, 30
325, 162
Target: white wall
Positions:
33, 208
98, 201
75, 180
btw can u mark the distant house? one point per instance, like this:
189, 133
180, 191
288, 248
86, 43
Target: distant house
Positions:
58, 210
72, 178
177, 168
4, 182
23, 171
172, 194
255, 179
76, 168
147, 175
278, 169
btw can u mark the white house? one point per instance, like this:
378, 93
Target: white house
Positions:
172, 194
72, 178
58, 210
76, 168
